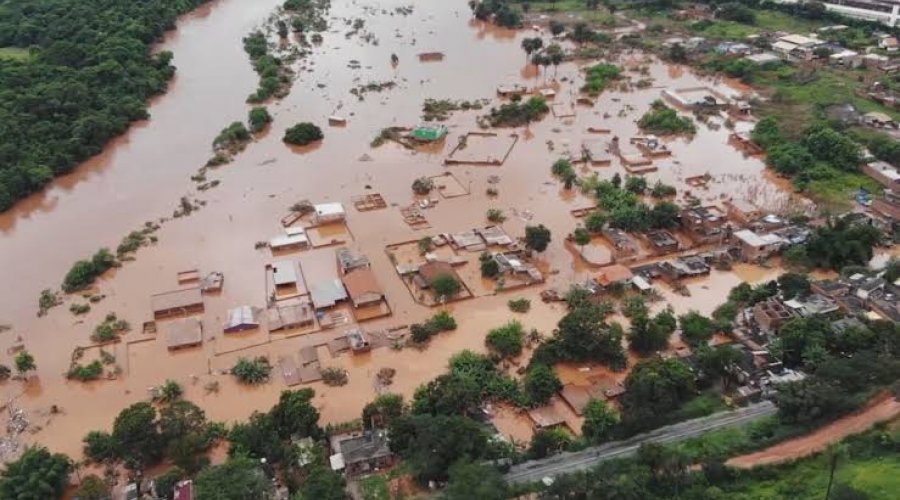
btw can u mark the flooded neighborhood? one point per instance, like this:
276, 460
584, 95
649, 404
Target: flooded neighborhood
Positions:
335, 264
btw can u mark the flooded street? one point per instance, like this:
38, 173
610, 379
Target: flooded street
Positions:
141, 176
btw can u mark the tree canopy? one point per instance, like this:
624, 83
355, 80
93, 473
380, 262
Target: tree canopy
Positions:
36, 475
238, 478
88, 76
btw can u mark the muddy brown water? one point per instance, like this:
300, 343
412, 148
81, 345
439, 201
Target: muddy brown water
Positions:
141, 176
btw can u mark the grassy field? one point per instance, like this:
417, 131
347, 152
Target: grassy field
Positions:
374, 488
14, 53
599, 15
838, 192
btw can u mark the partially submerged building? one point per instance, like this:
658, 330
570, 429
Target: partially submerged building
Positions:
327, 294
289, 314
754, 247
349, 260
326, 213
241, 319
771, 314
705, 224
886, 174
177, 303
183, 333
662, 241
615, 274
359, 340
623, 244
362, 287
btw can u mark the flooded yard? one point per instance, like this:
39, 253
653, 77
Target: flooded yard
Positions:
141, 176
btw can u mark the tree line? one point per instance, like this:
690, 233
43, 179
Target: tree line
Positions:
88, 76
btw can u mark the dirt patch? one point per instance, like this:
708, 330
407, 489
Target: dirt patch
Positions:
882, 409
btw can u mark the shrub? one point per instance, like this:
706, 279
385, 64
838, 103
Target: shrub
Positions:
443, 321
489, 267
516, 114
232, 137
506, 341
259, 118
334, 376
445, 286
495, 215
91, 371
599, 76
303, 134
79, 309
521, 305
662, 119
422, 186
252, 371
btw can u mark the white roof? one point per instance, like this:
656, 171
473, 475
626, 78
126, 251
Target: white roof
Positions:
799, 40
757, 240
762, 58
286, 240
284, 273
243, 315
784, 46
885, 169
337, 461
844, 53
329, 209
327, 293
641, 283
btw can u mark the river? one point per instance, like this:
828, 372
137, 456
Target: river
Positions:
141, 176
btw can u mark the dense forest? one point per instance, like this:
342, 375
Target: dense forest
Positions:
74, 74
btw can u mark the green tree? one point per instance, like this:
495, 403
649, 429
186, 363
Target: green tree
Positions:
696, 328
653, 389
445, 286
531, 45
302, 134
137, 436
295, 416
595, 221
93, 488
239, 478
646, 335
257, 438
259, 118
252, 371
489, 267
541, 383
383, 410
581, 236
169, 391
789, 158
635, 184
431, 444
793, 285
165, 482
547, 442
506, 341
322, 483
833, 147
537, 237
100, 447
665, 215
599, 421
24, 362
471, 480
719, 362
36, 475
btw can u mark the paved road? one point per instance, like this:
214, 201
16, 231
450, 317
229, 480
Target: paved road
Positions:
565, 463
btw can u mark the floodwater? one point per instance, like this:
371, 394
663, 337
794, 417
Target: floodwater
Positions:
141, 176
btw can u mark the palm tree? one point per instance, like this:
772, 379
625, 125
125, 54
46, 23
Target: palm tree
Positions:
555, 55
531, 45
539, 60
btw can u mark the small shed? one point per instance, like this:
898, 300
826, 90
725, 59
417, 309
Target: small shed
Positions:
290, 314
329, 212
546, 417
177, 302
429, 133
241, 319
296, 241
359, 341
184, 333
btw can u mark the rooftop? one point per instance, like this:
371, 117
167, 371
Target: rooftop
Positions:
327, 293
757, 240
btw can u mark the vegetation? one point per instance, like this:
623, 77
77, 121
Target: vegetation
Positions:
259, 119
110, 329
24, 362
506, 341
654, 388
422, 186
498, 11
36, 475
232, 138
647, 335
520, 305
583, 335
91, 371
47, 300
541, 383
471, 380
440, 322
445, 286
663, 120
517, 114
84, 272
489, 266
696, 329
838, 244
302, 134
471, 480
562, 169
599, 421
495, 215
431, 444
237, 478
252, 371
537, 237
599, 76
78, 56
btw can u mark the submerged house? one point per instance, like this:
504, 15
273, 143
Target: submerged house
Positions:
429, 133
362, 287
358, 454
